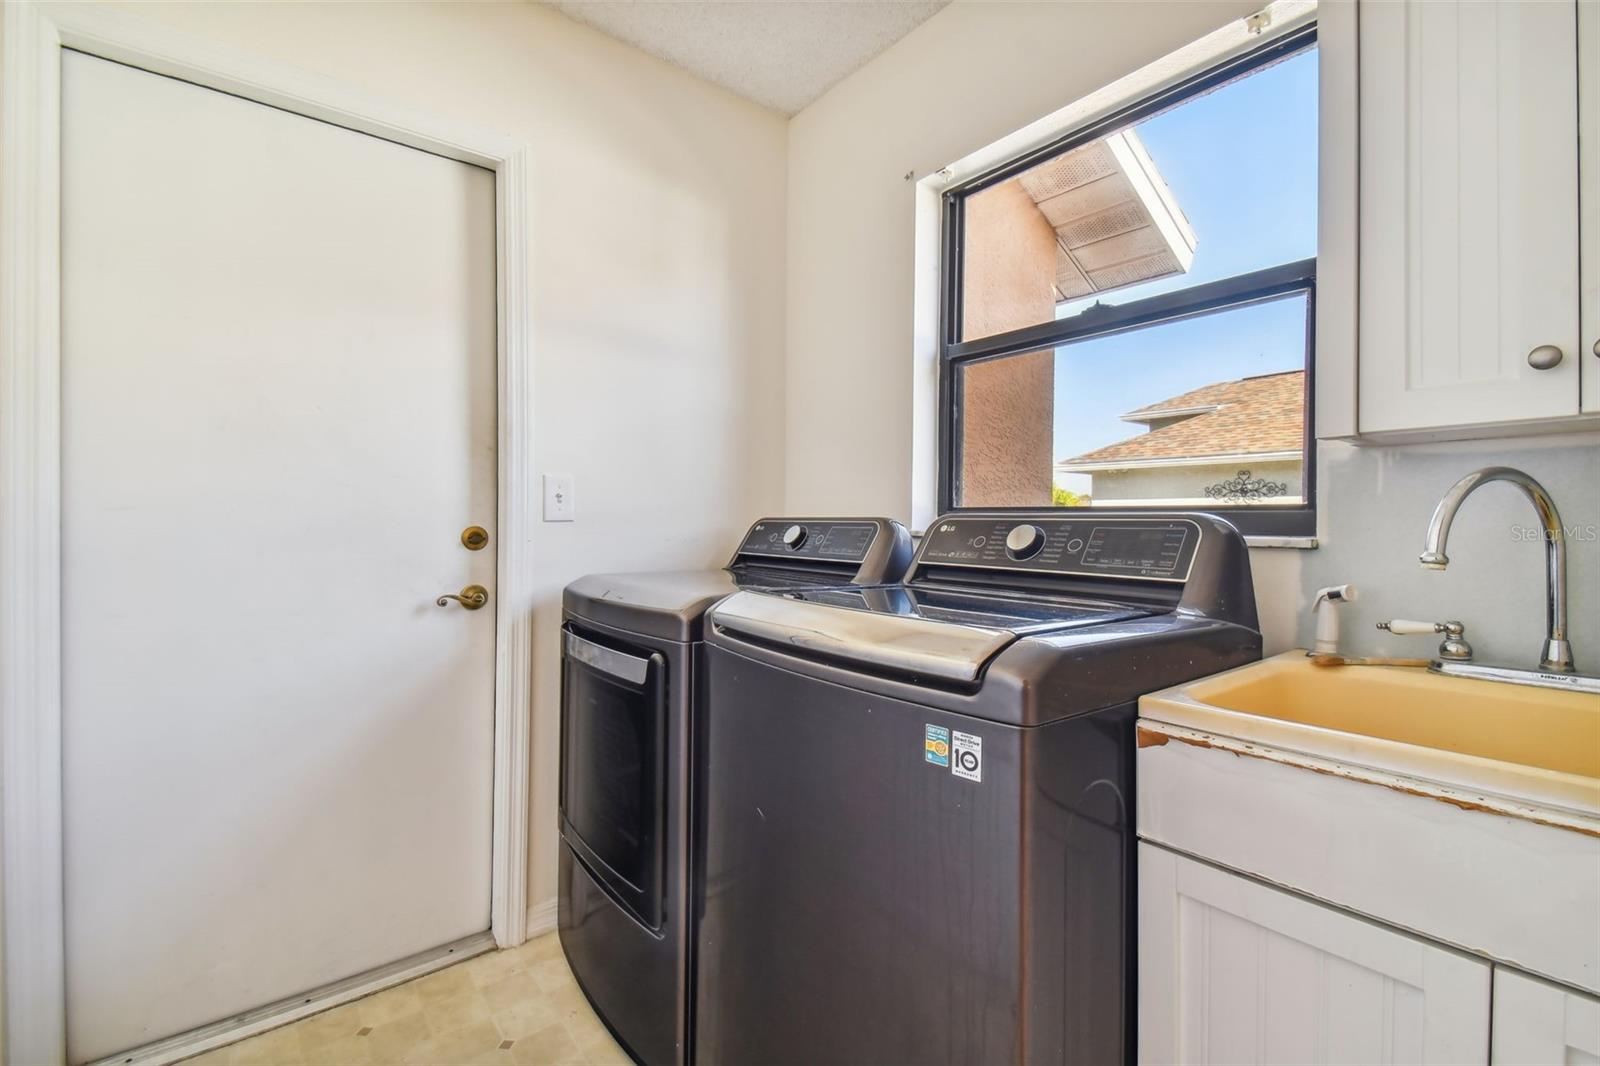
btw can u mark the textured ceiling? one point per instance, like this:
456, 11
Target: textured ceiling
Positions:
781, 53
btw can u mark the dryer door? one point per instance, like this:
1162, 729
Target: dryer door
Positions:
613, 767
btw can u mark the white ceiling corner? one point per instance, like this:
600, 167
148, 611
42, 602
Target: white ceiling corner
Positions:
779, 53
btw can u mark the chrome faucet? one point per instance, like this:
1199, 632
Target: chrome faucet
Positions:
1556, 655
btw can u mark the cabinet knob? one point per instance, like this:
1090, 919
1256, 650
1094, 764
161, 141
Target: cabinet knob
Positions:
1597, 348
1545, 357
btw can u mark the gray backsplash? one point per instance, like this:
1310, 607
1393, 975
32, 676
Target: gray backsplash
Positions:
1375, 504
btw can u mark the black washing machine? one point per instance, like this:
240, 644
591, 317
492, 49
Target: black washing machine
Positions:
630, 656
918, 800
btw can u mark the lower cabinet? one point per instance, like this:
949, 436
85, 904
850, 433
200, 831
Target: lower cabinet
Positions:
1232, 971
1537, 1022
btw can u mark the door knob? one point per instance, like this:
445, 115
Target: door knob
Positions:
472, 597
1545, 357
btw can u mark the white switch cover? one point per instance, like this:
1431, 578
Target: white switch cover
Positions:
559, 506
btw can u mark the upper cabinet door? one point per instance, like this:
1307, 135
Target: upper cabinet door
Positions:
1469, 213
1539, 1022
1589, 196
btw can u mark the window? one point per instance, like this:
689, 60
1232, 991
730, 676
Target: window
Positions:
1128, 314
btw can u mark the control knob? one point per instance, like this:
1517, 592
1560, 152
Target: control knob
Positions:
1024, 541
793, 537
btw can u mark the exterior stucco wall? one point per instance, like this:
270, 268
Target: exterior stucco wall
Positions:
1186, 482
1008, 405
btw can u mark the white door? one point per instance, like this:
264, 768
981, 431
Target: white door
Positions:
1536, 1022
1231, 971
1469, 212
278, 389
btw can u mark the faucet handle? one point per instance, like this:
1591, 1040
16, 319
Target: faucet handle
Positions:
1454, 646
1402, 627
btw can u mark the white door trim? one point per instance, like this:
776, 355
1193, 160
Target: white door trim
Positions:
31, 914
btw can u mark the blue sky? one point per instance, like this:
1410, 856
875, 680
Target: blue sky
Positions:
1242, 164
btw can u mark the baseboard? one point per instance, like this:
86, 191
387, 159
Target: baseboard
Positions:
186, 1045
542, 918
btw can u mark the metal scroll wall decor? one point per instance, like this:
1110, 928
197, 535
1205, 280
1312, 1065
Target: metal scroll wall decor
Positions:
1245, 489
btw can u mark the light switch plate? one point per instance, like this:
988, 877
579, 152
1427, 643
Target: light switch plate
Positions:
559, 505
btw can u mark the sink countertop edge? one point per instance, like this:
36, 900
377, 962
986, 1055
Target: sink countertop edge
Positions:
1152, 732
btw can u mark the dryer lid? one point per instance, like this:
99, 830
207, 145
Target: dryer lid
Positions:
668, 605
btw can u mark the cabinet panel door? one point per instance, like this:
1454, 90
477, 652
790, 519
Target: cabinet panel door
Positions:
1589, 196
1232, 971
1537, 1022
1469, 212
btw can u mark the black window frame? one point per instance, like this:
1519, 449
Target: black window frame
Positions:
1259, 286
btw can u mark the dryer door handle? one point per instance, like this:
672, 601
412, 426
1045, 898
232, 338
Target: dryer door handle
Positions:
619, 664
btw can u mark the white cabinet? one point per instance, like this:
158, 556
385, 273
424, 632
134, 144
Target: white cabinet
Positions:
1537, 1022
1233, 971
1469, 214
1589, 196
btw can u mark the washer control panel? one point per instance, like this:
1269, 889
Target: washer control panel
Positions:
844, 542
1149, 549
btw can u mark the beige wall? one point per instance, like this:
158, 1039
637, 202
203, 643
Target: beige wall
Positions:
1007, 276
656, 292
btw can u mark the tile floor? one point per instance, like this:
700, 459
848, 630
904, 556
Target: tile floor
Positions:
515, 1007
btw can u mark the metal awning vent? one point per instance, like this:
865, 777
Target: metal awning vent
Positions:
1116, 222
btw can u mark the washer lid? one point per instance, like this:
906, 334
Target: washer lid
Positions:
1019, 613
927, 632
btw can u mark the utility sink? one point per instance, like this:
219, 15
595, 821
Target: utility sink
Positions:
1543, 728
1533, 744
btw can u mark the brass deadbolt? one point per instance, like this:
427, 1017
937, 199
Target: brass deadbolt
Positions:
474, 538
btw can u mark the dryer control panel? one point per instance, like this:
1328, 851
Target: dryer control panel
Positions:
1146, 549
844, 542
843, 551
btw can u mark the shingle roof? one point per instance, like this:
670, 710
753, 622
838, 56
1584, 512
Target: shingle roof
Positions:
1252, 416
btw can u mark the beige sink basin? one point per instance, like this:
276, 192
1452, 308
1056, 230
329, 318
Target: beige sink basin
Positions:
1536, 744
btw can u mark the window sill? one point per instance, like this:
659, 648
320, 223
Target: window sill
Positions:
1299, 543
1302, 543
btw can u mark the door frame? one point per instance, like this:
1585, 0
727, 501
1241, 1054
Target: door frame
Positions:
31, 907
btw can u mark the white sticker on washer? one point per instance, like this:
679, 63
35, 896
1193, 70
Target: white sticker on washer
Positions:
966, 756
